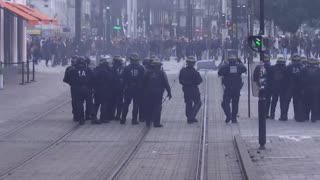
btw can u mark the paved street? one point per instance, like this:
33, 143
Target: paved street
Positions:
42, 142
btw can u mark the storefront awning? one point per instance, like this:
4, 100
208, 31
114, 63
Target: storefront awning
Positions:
32, 16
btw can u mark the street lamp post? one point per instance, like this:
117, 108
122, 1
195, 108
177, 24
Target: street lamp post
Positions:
78, 6
262, 99
189, 29
108, 26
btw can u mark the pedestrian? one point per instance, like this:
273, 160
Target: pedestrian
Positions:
232, 81
309, 78
81, 80
264, 81
67, 79
133, 75
155, 82
102, 91
89, 101
190, 79
279, 88
117, 88
294, 88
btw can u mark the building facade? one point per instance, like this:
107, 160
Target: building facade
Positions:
64, 11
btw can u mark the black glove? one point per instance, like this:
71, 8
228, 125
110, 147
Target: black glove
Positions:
169, 95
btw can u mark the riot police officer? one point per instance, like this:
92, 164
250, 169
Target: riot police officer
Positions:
102, 91
89, 100
133, 75
232, 82
66, 79
81, 80
117, 88
264, 81
155, 82
279, 86
294, 88
309, 77
190, 79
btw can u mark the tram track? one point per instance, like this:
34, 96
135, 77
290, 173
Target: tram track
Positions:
137, 145
201, 160
39, 153
201, 164
34, 119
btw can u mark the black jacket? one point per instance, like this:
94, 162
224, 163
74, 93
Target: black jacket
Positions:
231, 74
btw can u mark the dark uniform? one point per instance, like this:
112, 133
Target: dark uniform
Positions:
232, 82
66, 79
265, 79
309, 78
89, 101
102, 91
117, 88
294, 88
155, 82
133, 75
81, 78
279, 88
190, 79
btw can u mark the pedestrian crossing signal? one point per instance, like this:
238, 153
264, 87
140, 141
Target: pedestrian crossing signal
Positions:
259, 43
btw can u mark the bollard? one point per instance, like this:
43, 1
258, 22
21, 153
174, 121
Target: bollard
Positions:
22, 74
33, 72
28, 72
1, 76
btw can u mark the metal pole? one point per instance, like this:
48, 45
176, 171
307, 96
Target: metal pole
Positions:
78, 6
249, 54
1, 76
33, 72
249, 90
262, 99
28, 72
189, 29
22, 74
108, 26
234, 23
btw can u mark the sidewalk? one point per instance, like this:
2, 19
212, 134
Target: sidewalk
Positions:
21, 103
292, 148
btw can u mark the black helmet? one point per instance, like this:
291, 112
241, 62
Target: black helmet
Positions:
191, 60
146, 62
281, 60
103, 61
232, 58
134, 57
117, 59
88, 60
74, 59
296, 57
266, 58
313, 61
81, 60
155, 62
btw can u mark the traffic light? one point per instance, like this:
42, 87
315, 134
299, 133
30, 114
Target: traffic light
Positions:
255, 43
223, 20
228, 24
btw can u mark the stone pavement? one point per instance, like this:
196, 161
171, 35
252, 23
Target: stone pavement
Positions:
292, 148
93, 152
21, 103
222, 160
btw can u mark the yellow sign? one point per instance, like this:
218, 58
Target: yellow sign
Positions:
34, 31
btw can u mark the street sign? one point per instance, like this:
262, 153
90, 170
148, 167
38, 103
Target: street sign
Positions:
117, 28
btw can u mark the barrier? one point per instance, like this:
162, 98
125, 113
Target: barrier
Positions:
25, 72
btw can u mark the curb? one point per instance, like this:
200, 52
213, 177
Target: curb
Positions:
249, 170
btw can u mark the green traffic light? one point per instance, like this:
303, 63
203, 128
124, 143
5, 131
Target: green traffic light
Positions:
117, 28
258, 42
